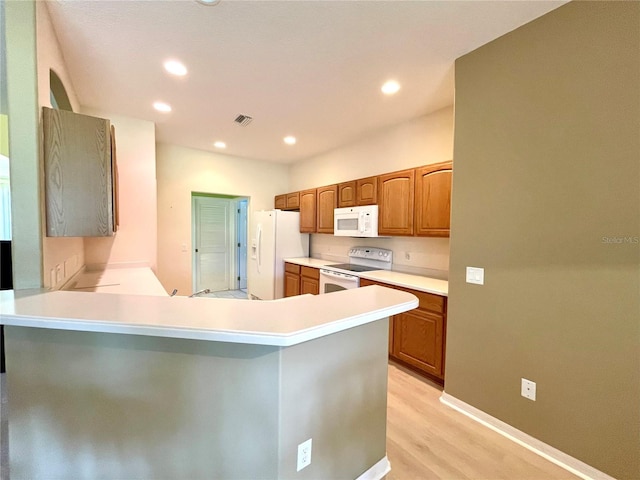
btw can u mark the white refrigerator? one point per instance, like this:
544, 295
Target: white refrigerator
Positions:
275, 235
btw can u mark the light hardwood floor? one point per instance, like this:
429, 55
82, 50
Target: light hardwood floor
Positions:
428, 440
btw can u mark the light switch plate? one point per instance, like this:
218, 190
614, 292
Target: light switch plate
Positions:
475, 275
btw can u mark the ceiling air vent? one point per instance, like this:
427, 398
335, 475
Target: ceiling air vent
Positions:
243, 120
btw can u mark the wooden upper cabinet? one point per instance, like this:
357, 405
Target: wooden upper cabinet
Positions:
308, 211
280, 202
293, 201
347, 194
358, 192
327, 202
79, 174
287, 201
396, 198
367, 191
433, 200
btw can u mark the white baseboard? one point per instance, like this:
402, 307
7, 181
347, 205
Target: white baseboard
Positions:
569, 463
378, 471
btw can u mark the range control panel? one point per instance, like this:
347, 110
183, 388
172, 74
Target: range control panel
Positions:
371, 253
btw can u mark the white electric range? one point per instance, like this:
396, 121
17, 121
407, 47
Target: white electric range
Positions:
343, 276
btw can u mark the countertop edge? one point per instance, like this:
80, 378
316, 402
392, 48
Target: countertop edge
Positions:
247, 335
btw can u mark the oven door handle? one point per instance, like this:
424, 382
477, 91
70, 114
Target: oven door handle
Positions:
331, 273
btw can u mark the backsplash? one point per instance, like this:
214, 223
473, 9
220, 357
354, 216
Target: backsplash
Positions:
417, 255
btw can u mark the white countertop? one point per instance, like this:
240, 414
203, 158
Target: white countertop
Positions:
406, 280
282, 322
130, 281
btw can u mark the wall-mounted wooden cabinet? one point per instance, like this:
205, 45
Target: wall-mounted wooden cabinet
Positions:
433, 200
396, 196
308, 211
327, 202
347, 194
280, 202
299, 280
80, 174
413, 202
418, 337
287, 201
358, 192
367, 191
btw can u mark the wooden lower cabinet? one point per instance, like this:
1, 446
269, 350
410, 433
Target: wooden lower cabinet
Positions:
309, 280
299, 280
417, 338
291, 279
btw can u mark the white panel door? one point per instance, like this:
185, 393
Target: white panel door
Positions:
214, 231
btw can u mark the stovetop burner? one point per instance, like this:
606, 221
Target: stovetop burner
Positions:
353, 268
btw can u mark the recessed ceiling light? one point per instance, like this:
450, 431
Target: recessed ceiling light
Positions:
162, 107
290, 140
208, 3
220, 145
174, 67
390, 87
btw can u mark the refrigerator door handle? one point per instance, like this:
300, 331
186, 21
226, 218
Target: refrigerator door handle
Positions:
259, 247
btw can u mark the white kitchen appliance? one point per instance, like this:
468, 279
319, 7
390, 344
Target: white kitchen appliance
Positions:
344, 276
356, 221
275, 235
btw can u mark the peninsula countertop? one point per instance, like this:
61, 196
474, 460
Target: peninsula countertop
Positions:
399, 279
282, 322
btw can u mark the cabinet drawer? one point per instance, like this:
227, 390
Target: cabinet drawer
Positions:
310, 272
291, 268
428, 301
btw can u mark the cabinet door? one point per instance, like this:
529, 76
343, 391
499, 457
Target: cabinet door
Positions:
309, 285
280, 202
433, 200
396, 197
327, 202
418, 340
293, 201
367, 191
347, 194
308, 211
291, 284
78, 174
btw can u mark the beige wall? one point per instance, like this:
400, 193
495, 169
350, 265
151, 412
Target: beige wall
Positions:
422, 141
68, 253
180, 172
20, 18
546, 180
135, 242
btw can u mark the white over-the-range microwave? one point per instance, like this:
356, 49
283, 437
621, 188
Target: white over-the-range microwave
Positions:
356, 221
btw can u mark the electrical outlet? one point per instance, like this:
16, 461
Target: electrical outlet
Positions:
528, 389
407, 256
304, 454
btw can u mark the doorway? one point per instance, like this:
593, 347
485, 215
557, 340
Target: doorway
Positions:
219, 237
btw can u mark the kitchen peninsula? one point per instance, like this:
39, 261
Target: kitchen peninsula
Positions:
133, 386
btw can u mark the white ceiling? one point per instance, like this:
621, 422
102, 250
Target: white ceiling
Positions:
312, 69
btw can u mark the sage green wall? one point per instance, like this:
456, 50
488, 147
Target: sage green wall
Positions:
546, 197
22, 93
